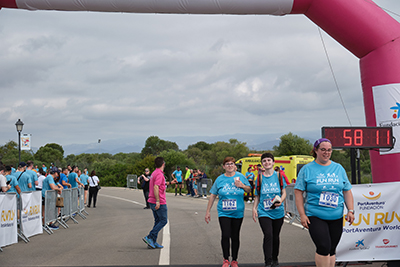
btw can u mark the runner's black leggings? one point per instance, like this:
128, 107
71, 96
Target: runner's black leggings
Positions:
271, 230
325, 234
230, 234
251, 194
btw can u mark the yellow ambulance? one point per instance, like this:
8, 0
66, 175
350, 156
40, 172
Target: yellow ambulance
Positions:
291, 165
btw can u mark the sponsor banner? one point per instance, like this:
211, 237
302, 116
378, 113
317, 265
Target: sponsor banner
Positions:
26, 141
8, 221
31, 213
387, 111
375, 233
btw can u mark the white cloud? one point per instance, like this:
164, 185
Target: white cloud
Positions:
73, 77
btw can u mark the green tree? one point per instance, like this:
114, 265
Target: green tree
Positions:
147, 162
201, 145
70, 159
56, 147
154, 146
220, 150
49, 155
173, 159
291, 144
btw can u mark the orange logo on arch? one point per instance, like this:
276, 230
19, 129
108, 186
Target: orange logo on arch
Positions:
372, 196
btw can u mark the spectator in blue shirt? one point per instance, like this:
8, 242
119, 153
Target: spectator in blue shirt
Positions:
64, 178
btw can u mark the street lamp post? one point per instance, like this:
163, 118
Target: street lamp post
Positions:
19, 124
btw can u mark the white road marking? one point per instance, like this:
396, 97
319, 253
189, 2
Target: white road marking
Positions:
166, 241
164, 252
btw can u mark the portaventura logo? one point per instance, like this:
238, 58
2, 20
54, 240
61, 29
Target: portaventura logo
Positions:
372, 196
386, 244
371, 204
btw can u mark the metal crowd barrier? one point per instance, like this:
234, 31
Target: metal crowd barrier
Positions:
72, 205
82, 202
290, 204
66, 213
51, 211
208, 182
131, 181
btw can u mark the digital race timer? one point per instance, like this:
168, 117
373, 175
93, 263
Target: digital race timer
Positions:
359, 137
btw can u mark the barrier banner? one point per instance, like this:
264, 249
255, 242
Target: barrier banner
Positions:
8, 223
375, 233
31, 213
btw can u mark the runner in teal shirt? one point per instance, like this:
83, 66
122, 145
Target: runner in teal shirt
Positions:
328, 189
230, 188
270, 215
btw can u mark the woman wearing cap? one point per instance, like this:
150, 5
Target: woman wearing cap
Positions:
328, 189
230, 188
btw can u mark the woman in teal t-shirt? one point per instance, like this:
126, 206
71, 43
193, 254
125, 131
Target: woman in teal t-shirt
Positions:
328, 189
230, 188
270, 215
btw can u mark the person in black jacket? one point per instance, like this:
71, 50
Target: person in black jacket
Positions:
144, 180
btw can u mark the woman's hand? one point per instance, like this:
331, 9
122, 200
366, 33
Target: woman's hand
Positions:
350, 217
208, 217
255, 215
239, 183
304, 221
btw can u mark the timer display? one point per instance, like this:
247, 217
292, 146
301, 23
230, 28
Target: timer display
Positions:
359, 137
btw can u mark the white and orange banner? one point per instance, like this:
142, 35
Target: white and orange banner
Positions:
26, 141
375, 233
8, 221
31, 213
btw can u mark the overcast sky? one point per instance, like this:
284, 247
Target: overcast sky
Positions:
75, 77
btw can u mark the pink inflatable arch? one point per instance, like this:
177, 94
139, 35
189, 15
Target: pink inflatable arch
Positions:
359, 25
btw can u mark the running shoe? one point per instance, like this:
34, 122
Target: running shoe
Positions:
157, 245
53, 227
226, 263
148, 241
234, 264
275, 264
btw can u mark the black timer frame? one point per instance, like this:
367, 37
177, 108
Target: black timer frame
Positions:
329, 132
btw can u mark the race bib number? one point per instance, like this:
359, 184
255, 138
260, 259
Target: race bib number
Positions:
204, 185
329, 199
229, 204
267, 203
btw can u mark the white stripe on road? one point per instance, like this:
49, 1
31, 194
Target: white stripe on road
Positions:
164, 253
286, 220
124, 199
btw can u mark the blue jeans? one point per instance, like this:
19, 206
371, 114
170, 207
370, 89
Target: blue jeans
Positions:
160, 220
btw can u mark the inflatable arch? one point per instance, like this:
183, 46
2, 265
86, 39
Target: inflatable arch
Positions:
359, 25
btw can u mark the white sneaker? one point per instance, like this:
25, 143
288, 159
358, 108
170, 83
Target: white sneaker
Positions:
204, 197
248, 201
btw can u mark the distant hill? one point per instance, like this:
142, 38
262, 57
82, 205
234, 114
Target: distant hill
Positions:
135, 144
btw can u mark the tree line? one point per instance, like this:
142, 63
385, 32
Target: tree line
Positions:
113, 169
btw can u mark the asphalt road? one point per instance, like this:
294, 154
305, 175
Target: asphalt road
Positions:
112, 236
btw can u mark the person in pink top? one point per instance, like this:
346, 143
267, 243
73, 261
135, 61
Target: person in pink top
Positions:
158, 203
